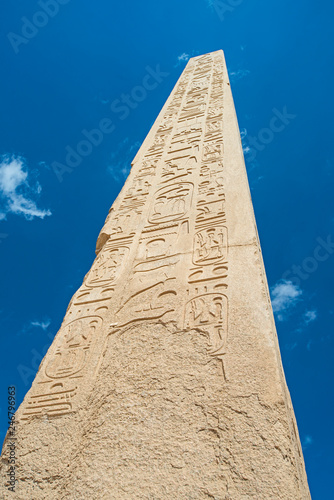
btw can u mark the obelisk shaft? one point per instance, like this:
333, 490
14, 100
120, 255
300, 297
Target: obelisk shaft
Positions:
165, 379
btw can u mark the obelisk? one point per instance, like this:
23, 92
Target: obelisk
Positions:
165, 379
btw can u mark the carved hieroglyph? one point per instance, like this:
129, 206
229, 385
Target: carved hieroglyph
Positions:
165, 378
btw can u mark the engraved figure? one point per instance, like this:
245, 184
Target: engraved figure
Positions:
214, 112
209, 313
212, 152
76, 335
151, 302
107, 266
65, 363
209, 245
70, 356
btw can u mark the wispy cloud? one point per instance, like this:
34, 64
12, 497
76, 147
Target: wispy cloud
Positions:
310, 316
15, 191
184, 57
238, 75
247, 150
120, 162
285, 296
245, 146
30, 327
307, 442
41, 324
3, 236
292, 346
243, 133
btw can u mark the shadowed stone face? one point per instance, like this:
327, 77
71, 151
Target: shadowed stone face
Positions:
165, 378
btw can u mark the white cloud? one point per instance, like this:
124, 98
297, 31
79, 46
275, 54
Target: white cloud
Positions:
15, 191
310, 316
284, 295
41, 324
238, 75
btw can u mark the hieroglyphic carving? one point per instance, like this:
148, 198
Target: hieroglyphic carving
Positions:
167, 229
212, 185
206, 275
210, 245
107, 266
171, 202
148, 303
57, 383
178, 169
213, 151
70, 357
211, 211
207, 278
57, 403
209, 313
74, 344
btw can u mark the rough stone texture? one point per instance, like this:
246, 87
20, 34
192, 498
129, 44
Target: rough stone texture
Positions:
165, 378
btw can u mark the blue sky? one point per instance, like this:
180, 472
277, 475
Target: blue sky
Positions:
60, 80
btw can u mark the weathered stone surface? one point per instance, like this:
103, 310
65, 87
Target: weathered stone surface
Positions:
165, 378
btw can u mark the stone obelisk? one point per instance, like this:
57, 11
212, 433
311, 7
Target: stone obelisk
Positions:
165, 379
